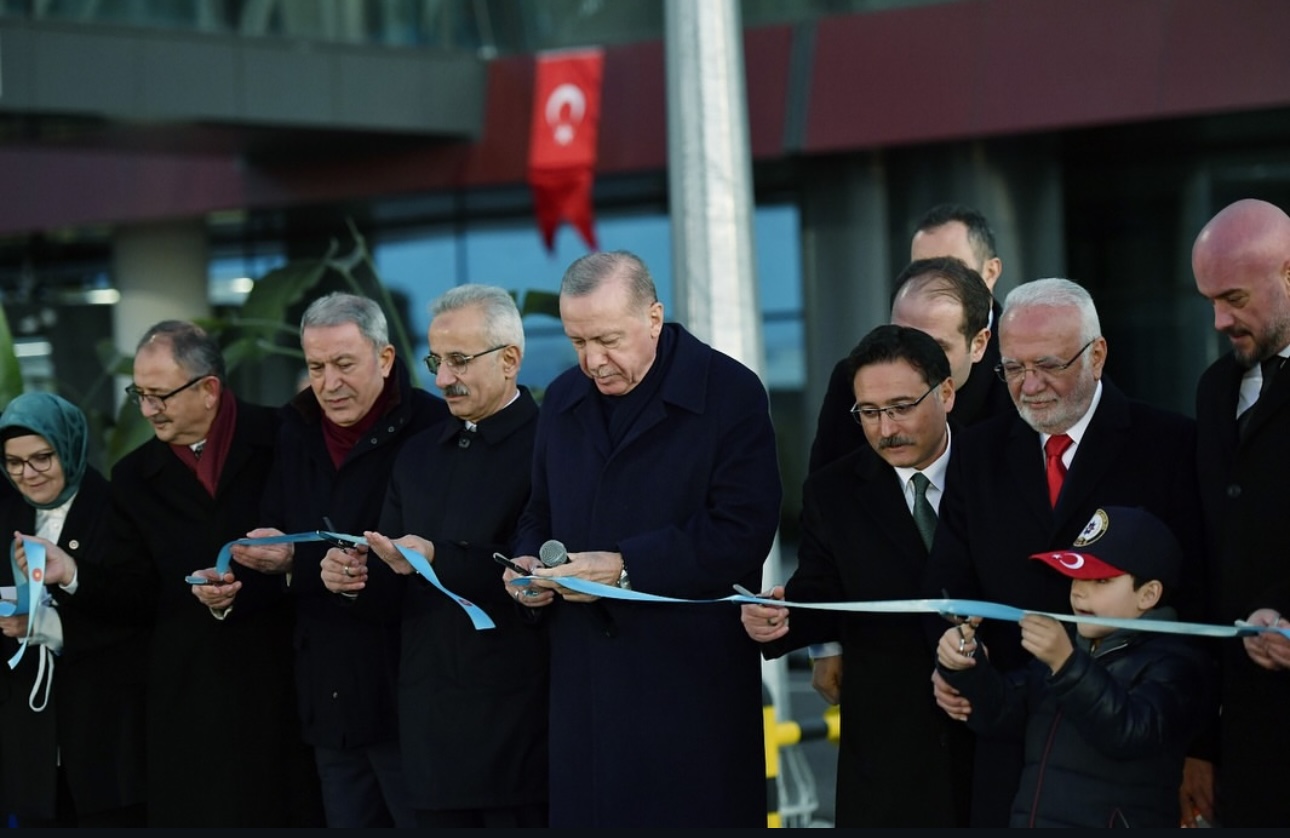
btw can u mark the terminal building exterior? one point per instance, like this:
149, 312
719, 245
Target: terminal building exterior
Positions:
154, 156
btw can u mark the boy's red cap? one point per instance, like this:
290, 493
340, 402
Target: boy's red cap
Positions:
1118, 540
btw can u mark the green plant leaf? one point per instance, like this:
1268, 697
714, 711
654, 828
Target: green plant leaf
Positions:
10, 372
275, 292
541, 302
129, 432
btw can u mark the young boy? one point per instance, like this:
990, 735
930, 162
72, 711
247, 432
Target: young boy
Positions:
1107, 719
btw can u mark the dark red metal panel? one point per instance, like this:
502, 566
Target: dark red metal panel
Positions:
1224, 55
894, 77
992, 67
945, 71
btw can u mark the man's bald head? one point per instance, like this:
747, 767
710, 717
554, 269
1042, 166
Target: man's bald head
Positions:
1241, 261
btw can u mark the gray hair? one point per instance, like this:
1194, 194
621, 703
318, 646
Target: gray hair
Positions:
502, 323
339, 308
195, 351
589, 272
1056, 293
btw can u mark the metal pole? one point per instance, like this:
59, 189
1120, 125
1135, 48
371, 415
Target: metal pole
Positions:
710, 180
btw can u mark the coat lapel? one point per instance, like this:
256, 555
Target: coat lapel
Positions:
1272, 403
1103, 445
1026, 463
879, 496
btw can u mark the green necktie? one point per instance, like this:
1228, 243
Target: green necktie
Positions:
924, 515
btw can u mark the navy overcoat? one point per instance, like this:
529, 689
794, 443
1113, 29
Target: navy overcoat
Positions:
656, 709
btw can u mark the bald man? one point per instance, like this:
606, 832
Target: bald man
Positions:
1241, 261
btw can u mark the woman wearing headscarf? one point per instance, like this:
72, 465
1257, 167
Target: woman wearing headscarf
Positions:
71, 743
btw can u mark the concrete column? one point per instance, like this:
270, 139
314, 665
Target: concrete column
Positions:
846, 273
1017, 185
160, 271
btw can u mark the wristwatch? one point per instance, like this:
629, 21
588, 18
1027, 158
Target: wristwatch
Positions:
623, 581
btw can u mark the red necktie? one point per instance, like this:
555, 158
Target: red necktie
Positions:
1053, 450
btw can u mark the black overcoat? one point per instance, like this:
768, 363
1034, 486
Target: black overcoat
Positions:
1246, 496
472, 704
347, 650
223, 745
901, 761
94, 720
656, 709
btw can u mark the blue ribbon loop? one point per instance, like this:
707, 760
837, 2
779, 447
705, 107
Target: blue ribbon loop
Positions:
943, 607
477, 615
30, 587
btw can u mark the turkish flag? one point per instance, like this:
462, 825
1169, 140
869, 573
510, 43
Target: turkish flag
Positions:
562, 141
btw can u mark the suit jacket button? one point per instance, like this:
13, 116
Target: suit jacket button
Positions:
74, 544
1234, 491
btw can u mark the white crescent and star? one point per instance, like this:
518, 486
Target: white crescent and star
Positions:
568, 96
1076, 565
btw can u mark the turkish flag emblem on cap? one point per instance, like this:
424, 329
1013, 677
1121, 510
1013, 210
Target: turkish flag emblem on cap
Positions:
562, 141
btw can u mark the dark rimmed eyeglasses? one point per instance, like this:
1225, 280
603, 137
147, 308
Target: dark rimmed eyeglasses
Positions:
456, 361
1011, 371
40, 463
157, 401
895, 412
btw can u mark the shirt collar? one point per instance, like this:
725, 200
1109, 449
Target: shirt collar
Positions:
1076, 431
935, 471
473, 426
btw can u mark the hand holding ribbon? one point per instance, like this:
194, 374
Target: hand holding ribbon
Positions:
478, 617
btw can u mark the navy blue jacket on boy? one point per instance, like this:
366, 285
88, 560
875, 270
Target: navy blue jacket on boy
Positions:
1105, 735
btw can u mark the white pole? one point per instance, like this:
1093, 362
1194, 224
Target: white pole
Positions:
710, 179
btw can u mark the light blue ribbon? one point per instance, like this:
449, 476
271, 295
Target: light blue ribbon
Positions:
30, 588
224, 560
943, 607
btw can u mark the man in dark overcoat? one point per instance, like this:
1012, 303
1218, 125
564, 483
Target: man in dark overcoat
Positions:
901, 761
1241, 261
999, 507
472, 704
223, 748
949, 301
339, 441
655, 467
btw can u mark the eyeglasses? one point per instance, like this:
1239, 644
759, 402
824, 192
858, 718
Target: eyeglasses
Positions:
157, 401
40, 463
1011, 372
895, 412
455, 360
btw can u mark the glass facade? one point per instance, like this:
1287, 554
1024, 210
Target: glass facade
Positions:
419, 265
489, 27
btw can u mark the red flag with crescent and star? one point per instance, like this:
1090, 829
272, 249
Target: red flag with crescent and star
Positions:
562, 141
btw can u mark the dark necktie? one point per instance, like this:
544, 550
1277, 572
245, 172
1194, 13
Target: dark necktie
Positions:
198, 448
465, 437
924, 515
1269, 366
1053, 450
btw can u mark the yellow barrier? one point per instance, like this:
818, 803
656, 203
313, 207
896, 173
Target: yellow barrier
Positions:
785, 734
